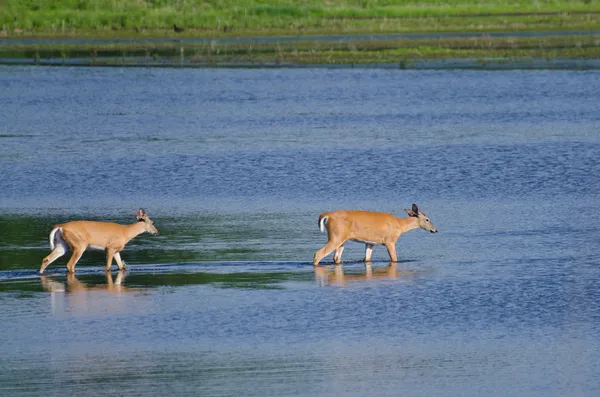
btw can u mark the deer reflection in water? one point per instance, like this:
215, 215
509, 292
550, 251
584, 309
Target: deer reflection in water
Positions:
336, 277
79, 296
72, 284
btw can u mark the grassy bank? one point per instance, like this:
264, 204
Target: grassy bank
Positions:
214, 18
146, 20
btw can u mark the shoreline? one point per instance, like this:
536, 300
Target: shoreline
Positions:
439, 64
444, 50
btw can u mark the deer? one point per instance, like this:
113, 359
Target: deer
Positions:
81, 235
370, 228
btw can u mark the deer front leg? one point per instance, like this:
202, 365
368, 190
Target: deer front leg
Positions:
122, 266
368, 252
110, 253
391, 247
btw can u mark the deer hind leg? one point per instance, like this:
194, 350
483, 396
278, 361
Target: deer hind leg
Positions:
391, 247
326, 250
77, 252
58, 251
368, 252
120, 263
337, 257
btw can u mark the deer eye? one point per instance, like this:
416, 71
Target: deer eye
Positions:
427, 220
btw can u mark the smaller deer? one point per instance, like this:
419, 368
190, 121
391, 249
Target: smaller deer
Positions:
108, 236
371, 228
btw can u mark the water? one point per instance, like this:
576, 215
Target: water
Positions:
235, 165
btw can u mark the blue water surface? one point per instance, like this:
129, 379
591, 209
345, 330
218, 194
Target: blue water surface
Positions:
235, 166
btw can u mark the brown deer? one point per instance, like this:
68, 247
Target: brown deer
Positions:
370, 228
81, 235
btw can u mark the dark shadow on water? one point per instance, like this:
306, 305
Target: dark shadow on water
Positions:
220, 278
239, 275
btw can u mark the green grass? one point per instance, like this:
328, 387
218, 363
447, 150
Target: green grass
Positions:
246, 18
287, 17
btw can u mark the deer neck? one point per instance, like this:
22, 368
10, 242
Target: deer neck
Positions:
135, 229
408, 223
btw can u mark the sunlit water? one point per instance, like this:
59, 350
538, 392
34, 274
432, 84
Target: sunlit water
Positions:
235, 165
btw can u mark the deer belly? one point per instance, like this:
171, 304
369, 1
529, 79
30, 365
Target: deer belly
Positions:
96, 247
365, 241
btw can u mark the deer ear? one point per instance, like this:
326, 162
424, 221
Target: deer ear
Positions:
410, 212
415, 209
143, 212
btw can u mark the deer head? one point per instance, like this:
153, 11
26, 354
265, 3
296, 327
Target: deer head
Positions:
424, 222
142, 216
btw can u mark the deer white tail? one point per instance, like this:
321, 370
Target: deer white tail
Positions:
52, 235
322, 222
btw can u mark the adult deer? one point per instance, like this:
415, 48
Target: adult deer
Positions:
371, 228
81, 235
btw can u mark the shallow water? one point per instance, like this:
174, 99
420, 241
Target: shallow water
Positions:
235, 165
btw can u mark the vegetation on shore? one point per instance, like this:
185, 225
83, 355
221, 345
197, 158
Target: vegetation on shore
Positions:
397, 51
213, 18
144, 21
